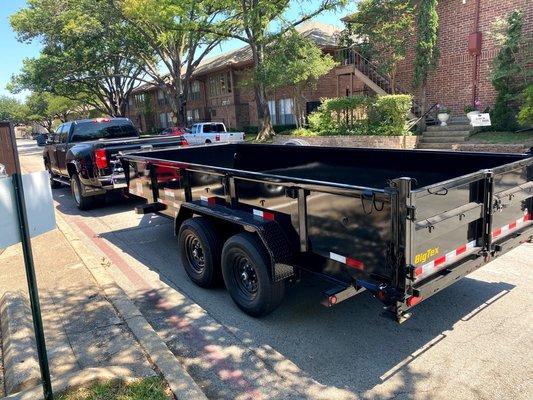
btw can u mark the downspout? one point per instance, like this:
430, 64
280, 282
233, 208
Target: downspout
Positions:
475, 71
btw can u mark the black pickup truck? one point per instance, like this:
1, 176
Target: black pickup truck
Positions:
83, 154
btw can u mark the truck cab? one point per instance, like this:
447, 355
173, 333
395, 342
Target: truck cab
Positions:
212, 132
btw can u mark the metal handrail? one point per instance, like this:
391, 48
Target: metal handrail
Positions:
414, 122
371, 70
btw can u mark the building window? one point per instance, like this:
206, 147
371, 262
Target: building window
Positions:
139, 100
286, 112
163, 121
161, 98
193, 116
272, 109
194, 91
220, 84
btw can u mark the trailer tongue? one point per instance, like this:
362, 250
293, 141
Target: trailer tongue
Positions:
400, 224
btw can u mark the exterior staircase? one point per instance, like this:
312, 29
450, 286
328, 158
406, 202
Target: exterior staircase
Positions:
444, 137
352, 62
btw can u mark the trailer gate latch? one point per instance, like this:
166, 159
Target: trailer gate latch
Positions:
411, 213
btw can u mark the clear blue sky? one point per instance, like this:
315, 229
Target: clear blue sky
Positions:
14, 52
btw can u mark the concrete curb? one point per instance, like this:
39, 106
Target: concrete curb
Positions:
21, 366
178, 379
76, 380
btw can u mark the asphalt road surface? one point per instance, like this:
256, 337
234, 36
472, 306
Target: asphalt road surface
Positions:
470, 341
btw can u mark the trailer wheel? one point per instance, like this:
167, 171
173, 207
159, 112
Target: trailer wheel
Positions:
245, 269
200, 252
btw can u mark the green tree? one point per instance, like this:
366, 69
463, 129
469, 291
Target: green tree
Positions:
385, 28
297, 62
12, 110
510, 72
175, 31
426, 51
44, 108
252, 22
87, 51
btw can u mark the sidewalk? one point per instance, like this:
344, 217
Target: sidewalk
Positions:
82, 328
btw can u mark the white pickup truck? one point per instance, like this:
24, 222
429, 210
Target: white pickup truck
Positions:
212, 132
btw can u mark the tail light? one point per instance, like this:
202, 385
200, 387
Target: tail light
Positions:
217, 137
100, 157
184, 141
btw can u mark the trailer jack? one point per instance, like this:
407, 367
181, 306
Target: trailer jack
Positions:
340, 293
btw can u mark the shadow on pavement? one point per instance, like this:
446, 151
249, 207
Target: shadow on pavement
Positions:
349, 346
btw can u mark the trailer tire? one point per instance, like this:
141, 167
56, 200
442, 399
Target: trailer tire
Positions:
246, 274
200, 247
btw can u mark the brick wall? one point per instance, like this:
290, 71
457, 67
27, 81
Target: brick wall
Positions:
452, 82
381, 142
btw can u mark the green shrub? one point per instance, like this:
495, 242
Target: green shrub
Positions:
283, 128
388, 115
340, 116
525, 116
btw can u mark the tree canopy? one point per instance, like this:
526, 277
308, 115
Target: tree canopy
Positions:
44, 108
296, 62
176, 32
384, 28
12, 110
254, 23
87, 51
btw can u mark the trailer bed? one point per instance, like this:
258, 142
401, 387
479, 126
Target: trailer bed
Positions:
403, 224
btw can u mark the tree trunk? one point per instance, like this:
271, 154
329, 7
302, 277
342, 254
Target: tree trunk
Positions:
263, 113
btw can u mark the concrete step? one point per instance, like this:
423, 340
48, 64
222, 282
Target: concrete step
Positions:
449, 127
453, 139
437, 146
446, 133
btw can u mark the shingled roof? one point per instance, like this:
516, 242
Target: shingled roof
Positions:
324, 35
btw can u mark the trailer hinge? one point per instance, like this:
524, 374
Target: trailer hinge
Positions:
411, 213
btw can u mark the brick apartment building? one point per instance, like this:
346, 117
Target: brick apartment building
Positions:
462, 73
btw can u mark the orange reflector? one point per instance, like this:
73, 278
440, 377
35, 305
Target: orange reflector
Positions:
332, 300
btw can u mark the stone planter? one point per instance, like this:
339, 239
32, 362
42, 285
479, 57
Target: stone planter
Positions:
471, 114
443, 118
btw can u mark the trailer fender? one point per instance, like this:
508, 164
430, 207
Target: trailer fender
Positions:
275, 239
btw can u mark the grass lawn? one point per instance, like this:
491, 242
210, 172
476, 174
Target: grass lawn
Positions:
502, 137
153, 388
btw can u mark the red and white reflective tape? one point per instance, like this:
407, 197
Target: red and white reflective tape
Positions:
438, 262
351, 262
264, 214
209, 200
512, 226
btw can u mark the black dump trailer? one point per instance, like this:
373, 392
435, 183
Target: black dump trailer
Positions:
402, 224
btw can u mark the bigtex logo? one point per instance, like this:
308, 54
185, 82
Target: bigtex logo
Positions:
423, 257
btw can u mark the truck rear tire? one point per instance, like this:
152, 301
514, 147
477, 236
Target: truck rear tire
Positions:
245, 267
200, 247
76, 187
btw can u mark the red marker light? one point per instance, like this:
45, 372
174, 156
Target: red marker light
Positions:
332, 300
102, 119
413, 300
